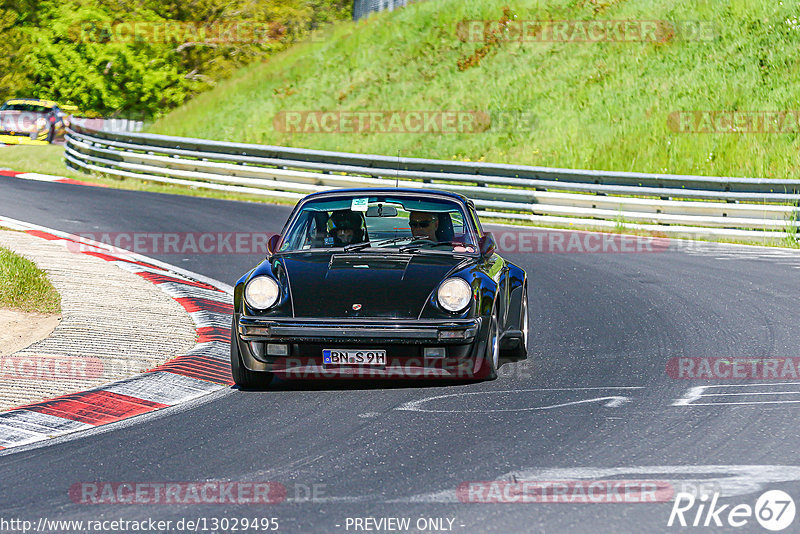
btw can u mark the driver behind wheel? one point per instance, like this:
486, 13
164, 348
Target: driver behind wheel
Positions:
423, 225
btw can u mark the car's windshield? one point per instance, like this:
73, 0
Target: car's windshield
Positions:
379, 222
18, 106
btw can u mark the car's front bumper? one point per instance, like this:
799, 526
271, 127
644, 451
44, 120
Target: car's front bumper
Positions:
22, 139
350, 330
405, 343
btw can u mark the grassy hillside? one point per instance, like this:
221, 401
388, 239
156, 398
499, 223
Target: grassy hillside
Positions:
598, 105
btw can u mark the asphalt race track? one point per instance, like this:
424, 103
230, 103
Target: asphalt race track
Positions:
593, 400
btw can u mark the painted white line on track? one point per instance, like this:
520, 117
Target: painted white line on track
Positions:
13, 436
40, 422
39, 177
178, 290
697, 393
219, 320
612, 401
753, 393
164, 388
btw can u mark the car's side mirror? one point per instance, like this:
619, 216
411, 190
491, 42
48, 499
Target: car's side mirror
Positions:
272, 244
487, 245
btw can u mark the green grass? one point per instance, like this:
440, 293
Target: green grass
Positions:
792, 229
24, 287
46, 159
596, 105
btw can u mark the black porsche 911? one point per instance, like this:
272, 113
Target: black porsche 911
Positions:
381, 283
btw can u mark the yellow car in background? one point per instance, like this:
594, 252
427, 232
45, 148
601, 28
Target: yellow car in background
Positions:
31, 121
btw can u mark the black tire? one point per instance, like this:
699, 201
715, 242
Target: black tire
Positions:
242, 376
521, 350
51, 134
492, 355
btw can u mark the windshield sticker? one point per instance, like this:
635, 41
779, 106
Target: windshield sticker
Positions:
359, 204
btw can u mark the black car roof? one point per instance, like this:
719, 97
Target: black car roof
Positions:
377, 191
389, 191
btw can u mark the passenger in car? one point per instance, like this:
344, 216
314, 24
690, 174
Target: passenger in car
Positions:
318, 230
347, 228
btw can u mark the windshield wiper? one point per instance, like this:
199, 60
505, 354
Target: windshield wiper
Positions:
357, 246
418, 246
366, 244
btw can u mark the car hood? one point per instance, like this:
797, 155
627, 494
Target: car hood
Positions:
384, 285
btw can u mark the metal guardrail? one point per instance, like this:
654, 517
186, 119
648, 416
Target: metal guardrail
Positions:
108, 125
702, 206
362, 8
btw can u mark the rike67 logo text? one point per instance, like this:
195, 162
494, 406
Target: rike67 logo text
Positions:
774, 510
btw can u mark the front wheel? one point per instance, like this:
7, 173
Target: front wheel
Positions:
242, 376
492, 357
521, 351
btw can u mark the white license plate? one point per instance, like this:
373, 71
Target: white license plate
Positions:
354, 357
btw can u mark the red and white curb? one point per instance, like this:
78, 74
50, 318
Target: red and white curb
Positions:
203, 370
44, 178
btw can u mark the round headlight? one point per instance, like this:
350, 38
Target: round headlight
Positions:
41, 123
261, 292
454, 294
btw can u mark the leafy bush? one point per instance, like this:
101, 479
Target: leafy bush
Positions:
76, 52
